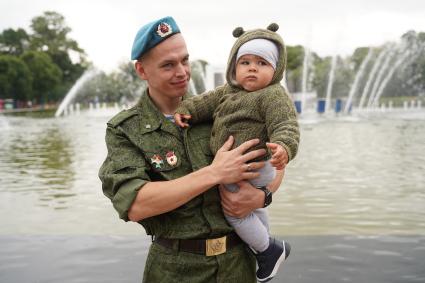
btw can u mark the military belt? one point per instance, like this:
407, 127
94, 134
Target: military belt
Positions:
208, 247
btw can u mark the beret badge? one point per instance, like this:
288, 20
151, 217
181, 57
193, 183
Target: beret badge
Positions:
164, 29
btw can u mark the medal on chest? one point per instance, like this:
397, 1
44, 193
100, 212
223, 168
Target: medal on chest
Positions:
157, 161
171, 158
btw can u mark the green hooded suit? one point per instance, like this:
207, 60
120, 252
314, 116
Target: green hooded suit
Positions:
268, 114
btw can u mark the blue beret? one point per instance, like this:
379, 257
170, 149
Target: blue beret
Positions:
152, 34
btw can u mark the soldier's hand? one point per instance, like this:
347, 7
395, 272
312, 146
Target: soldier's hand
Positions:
181, 119
279, 156
243, 202
230, 166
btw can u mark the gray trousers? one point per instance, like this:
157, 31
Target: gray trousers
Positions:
254, 228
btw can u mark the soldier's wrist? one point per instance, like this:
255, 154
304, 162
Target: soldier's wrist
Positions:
211, 175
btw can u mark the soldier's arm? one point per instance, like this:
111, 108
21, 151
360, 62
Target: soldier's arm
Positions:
201, 108
123, 172
228, 166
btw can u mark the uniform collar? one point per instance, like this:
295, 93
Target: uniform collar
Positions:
152, 118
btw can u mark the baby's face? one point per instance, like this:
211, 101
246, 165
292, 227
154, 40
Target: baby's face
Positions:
253, 72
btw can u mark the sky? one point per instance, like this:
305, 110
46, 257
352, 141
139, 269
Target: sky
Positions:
105, 29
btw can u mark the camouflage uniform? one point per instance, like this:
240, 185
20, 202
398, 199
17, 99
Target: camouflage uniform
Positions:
144, 146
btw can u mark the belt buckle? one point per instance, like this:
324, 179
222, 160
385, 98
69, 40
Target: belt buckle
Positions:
215, 246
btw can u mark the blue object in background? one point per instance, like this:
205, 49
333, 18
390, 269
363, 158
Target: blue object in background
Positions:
338, 105
298, 106
321, 104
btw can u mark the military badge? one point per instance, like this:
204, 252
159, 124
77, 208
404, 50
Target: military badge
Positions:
171, 158
164, 29
157, 161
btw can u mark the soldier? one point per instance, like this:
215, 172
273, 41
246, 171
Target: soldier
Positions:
166, 178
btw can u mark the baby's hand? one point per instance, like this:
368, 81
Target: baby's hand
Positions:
181, 120
279, 155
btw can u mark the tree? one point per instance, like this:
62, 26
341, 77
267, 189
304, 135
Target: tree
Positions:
358, 56
50, 35
46, 74
14, 42
198, 74
320, 82
294, 67
295, 57
343, 78
15, 78
126, 83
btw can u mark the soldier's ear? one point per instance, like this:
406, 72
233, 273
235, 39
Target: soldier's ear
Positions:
140, 70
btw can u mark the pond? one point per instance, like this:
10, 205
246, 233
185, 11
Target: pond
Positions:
352, 202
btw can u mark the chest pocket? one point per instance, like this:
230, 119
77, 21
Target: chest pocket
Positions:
198, 139
163, 151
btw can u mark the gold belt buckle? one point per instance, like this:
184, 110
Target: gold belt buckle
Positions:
216, 246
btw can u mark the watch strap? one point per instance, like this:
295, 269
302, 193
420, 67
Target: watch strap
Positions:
268, 196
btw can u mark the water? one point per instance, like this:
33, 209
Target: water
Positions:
352, 203
372, 75
383, 70
89, 74
357, 78
407, 57
306, 61
330, 84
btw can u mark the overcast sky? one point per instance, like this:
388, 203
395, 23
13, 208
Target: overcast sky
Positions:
105, 29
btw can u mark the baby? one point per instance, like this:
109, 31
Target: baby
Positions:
251, 105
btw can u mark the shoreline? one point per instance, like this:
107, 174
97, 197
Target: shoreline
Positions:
314, 259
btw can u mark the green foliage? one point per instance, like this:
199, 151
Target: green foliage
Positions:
54, 60
409, 79
343, 78
15, 78
421, 36
46, 75
320, 82
294, 67
50, 35
198, 73
14, 42
358, 56
295, 57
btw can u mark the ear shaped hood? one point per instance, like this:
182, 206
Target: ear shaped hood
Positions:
245, 36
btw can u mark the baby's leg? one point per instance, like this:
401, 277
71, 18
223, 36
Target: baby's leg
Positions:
267, 174
254, 228
251, 230
263, 216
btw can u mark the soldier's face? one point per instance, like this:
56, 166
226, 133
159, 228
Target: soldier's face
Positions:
166, 68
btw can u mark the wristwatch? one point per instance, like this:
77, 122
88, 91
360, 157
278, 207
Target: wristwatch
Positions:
268, 198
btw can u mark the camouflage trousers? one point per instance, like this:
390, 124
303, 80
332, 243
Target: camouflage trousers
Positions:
164, 265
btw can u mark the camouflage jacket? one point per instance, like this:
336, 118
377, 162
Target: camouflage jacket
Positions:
144, 146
